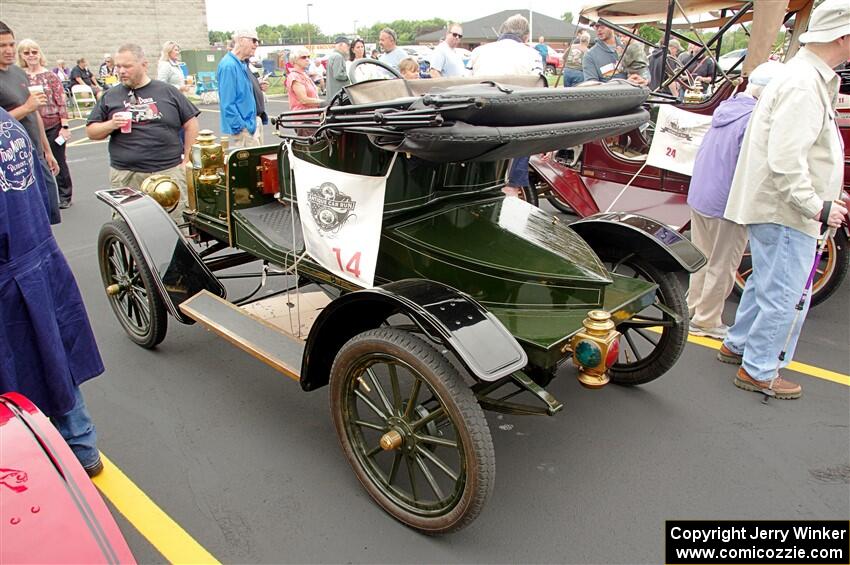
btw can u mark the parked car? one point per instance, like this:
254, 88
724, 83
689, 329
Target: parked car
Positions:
475, 301
52, 513
730, 59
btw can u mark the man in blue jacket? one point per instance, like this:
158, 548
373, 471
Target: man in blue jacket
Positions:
240, 94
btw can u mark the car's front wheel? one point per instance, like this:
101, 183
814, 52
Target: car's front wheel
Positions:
130, 285
412, 430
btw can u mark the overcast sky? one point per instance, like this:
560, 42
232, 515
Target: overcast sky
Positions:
333, 16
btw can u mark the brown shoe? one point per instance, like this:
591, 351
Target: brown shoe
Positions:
782, 389
95, 468
726, 355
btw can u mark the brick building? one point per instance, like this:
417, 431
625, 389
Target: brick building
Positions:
69, 29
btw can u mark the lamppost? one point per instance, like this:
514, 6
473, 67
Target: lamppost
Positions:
309, 42
355, 28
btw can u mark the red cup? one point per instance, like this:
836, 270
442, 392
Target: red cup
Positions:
128, 127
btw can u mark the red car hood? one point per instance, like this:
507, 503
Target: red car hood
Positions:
50, 512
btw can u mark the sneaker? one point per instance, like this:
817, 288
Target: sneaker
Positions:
726, 355
64, 205
782, 389
94, 469
717, 333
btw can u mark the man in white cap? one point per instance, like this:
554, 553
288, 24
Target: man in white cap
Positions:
785, 191
240, 93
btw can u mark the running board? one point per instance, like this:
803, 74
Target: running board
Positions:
261, 339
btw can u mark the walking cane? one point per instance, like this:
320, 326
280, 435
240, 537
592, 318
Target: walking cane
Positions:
798, 309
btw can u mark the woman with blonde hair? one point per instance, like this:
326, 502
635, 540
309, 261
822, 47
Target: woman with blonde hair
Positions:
169, 70
301, 88
54, 113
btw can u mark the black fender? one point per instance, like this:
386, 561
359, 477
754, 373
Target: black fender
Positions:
476, 336
652, 240
179, 272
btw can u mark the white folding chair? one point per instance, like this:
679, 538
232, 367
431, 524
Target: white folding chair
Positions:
83, 96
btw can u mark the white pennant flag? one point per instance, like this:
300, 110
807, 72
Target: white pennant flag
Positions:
341, 216
678, 135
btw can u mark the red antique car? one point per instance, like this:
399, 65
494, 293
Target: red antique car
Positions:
50, 512
593, 178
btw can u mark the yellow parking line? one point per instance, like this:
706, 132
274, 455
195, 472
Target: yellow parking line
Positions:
801, 368
85, 141
156, 526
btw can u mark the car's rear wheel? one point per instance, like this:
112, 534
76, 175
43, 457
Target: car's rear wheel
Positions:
130, 286
412, 430
654, 338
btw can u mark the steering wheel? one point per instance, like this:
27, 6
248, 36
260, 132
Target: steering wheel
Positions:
686, 79
385, 68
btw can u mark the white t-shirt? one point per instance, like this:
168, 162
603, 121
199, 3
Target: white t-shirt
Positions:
447, 61
505, 57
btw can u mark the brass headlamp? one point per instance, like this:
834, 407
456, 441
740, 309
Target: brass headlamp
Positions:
163, 189
595, 348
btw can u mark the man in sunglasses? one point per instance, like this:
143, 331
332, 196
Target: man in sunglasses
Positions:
240, 93
446, 62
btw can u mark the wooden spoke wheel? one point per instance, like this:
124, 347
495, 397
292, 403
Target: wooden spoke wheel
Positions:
652, 340
412, 430
831, 270
130, 285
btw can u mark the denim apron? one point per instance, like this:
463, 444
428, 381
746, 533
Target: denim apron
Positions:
47, 347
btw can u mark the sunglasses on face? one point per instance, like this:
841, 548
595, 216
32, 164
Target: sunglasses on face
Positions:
458, 35
34, 52
303, 57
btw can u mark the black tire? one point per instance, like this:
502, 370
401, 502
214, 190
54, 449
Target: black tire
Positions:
831, 271
529, 194
550, 69
645, 355
387, 360
138, 305
541, 188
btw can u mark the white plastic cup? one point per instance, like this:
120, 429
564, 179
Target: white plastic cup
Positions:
128, 127
36, 89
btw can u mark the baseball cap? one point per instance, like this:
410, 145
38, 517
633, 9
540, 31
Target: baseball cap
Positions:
246, 32
341, 39
829, 21
765, 72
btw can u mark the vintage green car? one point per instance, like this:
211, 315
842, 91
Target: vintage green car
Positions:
476, 299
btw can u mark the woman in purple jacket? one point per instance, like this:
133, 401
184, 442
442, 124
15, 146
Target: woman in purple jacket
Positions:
720, 240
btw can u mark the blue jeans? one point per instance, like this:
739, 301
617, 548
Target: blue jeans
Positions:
573, 77
78, 430
52, 189
782, 261
518, 175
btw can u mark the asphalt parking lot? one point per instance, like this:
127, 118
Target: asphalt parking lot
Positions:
249, 468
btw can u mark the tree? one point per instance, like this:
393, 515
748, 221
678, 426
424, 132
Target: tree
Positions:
567, 17
650, 33
219, 36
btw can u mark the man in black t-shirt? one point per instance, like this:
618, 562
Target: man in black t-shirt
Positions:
81, 74
158, 112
